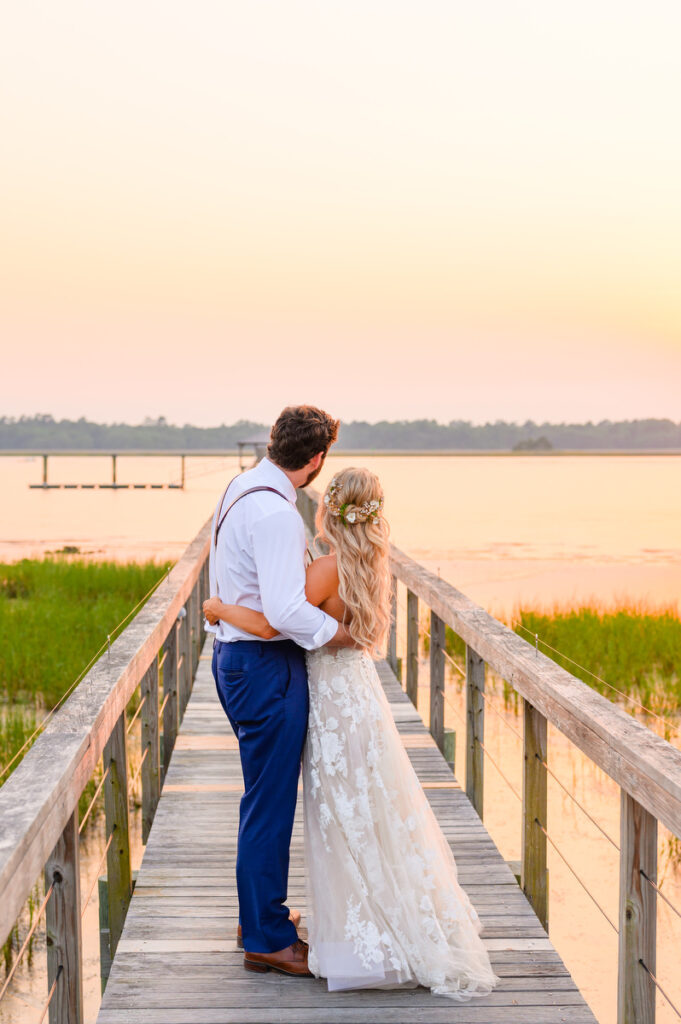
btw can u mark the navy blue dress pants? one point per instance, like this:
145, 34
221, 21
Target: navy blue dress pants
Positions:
263, 690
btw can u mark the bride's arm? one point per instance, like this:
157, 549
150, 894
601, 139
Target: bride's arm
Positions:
237, 615
321, 583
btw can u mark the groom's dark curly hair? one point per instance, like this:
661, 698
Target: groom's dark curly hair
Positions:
300, 433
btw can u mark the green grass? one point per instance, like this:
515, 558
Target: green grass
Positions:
54, 616
634, 648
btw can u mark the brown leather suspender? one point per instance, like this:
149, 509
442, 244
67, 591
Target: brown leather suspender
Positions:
221, 518
251, 490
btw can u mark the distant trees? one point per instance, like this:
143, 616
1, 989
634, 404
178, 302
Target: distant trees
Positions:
534, 444
44, 432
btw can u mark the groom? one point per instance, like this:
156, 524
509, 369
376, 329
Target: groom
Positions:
257, 559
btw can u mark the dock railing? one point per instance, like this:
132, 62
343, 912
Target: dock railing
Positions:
39, 801
646, 767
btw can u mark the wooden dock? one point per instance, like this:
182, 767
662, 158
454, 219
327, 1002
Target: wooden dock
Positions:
177, 960
173, 946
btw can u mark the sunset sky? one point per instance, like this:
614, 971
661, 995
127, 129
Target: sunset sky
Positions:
446, 209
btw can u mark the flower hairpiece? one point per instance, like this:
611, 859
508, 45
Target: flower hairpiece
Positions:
348, 513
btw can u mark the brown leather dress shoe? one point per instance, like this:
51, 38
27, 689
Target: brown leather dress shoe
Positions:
294, 917
292, 960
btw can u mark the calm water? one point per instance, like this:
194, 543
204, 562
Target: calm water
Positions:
505, 531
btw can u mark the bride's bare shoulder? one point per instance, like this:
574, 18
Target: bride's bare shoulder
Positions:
322, 579
323, 568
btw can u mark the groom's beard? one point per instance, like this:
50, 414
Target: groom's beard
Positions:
314, 474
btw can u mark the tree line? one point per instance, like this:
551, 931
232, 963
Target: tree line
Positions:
45, 432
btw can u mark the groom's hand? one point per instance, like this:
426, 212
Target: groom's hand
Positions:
209, 610
341, 638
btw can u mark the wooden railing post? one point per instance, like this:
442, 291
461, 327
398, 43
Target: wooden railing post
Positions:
533, 875
183, 663
311, 514
203, 595
193, 644
170, 720
196, 605
412, 647
307, 506
63, 928
437, 680
116, 811
151, 769
201, 583
475, 728
637, 913
392, 635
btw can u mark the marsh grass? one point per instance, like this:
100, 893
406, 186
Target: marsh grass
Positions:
54, 615
633, 648
16, 725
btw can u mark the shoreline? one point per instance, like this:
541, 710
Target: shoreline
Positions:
335, 452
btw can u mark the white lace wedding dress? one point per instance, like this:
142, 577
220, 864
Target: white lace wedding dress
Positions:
384, 905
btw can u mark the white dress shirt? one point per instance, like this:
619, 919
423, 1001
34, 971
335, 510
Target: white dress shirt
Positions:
260, 560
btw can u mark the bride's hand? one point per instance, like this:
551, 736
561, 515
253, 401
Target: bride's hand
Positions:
210, 610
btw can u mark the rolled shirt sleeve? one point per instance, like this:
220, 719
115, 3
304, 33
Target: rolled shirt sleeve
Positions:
278, 549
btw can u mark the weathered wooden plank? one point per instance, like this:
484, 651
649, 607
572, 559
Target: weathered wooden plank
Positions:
534, 879
277, 993
436, 1014
119, 876
507, 963
637, 914
229, 981
63, 928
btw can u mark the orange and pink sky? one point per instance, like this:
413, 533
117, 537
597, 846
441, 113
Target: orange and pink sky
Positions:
442, 209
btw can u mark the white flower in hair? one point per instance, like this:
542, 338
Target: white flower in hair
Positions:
368, 510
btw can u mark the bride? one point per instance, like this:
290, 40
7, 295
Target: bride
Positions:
384, 905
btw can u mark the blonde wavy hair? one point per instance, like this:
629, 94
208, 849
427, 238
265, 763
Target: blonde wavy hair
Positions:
363, 556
